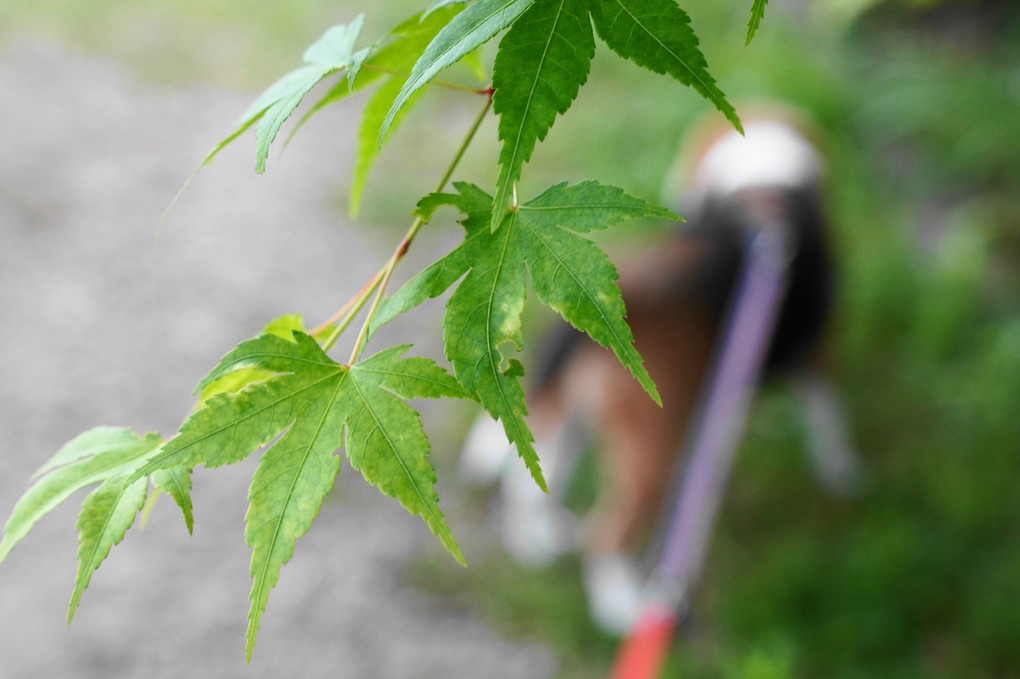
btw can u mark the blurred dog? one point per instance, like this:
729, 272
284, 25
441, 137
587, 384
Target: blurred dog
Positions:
677, 297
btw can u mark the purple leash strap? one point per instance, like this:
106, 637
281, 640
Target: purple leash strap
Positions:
751, 320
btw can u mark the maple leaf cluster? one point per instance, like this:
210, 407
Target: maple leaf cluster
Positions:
281, 391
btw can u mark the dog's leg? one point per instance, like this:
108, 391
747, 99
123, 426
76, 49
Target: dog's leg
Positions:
536, 528
638, 452
837, 465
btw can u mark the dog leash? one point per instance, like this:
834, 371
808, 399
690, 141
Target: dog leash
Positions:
750, 322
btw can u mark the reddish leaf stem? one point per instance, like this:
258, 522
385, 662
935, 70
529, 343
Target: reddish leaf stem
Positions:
405, 243
335, 318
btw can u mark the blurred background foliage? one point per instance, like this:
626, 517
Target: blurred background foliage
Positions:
918, 102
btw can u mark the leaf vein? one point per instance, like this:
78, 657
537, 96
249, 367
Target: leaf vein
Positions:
694, 74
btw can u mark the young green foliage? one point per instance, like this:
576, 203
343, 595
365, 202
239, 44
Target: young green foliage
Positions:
439, 4
282, 391
541, 64
473, 27
332, 52
390, 60
399, 59
307, 410
369, 142
176, 483
544, 58
391, 63
103, 455
106, 514
568, 273
87, 459
393, 55
757, 14
657, 35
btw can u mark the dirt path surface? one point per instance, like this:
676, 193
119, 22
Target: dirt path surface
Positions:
103, 323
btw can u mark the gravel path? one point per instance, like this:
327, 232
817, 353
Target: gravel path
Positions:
103, 323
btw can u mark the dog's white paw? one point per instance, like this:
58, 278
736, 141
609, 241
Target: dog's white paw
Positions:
536, 530
615, 587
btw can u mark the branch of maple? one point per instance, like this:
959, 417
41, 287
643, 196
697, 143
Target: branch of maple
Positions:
349, 311
416, 225
344, 311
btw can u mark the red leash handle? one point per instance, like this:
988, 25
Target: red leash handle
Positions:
641, 654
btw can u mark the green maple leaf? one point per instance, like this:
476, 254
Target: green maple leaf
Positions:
106, 514
369, 141
542, 238
542, 62
471, 28
311, 407
757, 14
177, 484
105, 455
390, 63
395, 62
439, 4
657, 35
392, 56
334, 51
236, 380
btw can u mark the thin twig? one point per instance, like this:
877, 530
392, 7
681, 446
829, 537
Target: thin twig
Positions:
358, 304
335, 318
405, 243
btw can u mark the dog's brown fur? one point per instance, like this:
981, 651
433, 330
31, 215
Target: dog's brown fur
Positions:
676, 296
638, 440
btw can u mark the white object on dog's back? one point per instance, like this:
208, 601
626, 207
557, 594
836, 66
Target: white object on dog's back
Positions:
769, 154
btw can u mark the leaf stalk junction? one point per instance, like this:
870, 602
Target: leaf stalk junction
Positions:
380, 280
